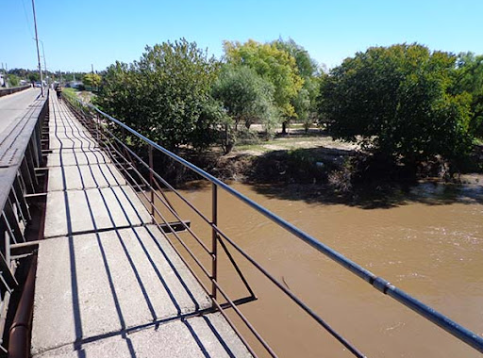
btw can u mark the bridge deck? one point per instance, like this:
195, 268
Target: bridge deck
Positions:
108, 282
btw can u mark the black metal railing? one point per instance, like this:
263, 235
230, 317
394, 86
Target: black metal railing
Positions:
7, 91
151, 185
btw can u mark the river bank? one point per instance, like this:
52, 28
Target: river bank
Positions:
314, 167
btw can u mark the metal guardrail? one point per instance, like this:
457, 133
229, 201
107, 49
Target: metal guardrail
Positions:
103, 127
6, 91
20, 158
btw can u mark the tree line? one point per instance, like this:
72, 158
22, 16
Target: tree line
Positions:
404, 103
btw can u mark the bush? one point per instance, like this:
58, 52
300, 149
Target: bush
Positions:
165, 95
399, 102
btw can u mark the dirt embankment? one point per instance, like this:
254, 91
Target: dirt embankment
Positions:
315, 164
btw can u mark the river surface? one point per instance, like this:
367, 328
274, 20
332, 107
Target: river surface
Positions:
429, 243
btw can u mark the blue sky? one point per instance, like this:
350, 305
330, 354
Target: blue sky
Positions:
78, 33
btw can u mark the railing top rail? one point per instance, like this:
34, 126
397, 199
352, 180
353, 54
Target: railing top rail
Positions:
379, 283
10, 90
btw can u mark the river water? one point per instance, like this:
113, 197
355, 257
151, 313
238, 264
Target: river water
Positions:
428, 243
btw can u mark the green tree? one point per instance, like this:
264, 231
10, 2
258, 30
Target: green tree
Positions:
13, 80
469, 78
247, 98
275, 65
165, 95
307, 66
34, 77
93, 80
305, 103
399, 102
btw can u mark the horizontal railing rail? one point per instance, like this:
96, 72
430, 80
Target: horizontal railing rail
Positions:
100, 123
7, 91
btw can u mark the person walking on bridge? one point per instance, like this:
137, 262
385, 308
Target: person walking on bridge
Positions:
58, 90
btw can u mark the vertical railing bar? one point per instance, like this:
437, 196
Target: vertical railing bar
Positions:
27, 180
7, 240
97, 123
7, 286
151, 166
193, 256
190, 205
16, 226
129, 158
23, 218
32, 164
167, 205
214, 239
17, 210
22, 180
18, 188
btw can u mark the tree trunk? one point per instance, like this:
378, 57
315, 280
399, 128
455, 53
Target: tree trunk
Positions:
284, 128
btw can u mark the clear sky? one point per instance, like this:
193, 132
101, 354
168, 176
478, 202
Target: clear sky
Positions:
78, 33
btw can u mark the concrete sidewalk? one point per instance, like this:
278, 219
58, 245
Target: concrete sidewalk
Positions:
108, 282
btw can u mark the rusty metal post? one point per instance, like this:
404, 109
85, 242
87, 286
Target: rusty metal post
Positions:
151, 178
214, 240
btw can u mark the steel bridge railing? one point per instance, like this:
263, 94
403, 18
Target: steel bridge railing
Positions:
7, 91
104, 128
21, 159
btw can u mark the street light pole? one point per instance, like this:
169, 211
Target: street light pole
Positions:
38, 52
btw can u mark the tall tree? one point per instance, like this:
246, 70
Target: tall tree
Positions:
93, 80
305, 104
244, 94
13, 80
246, 97
275, 65
398, 101
469, 78
165, 95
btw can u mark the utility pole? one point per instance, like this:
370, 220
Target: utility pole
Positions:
38, 51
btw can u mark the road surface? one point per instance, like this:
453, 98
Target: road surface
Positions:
13, 106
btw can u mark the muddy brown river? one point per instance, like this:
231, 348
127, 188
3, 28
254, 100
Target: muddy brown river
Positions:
428, 243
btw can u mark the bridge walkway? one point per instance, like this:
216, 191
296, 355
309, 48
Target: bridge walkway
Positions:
108, 282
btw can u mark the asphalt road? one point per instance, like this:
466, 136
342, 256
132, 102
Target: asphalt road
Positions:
13, 106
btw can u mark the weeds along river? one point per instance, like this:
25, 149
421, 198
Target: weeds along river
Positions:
428, 243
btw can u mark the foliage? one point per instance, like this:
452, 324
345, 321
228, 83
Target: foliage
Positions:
165, 95
92, 80
13, 80
34, 77
274, 65
245, 96
307, 66
469, 78
398, 101
305, 104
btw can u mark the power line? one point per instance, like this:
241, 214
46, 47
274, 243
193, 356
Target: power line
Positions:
38, 52
27, 18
